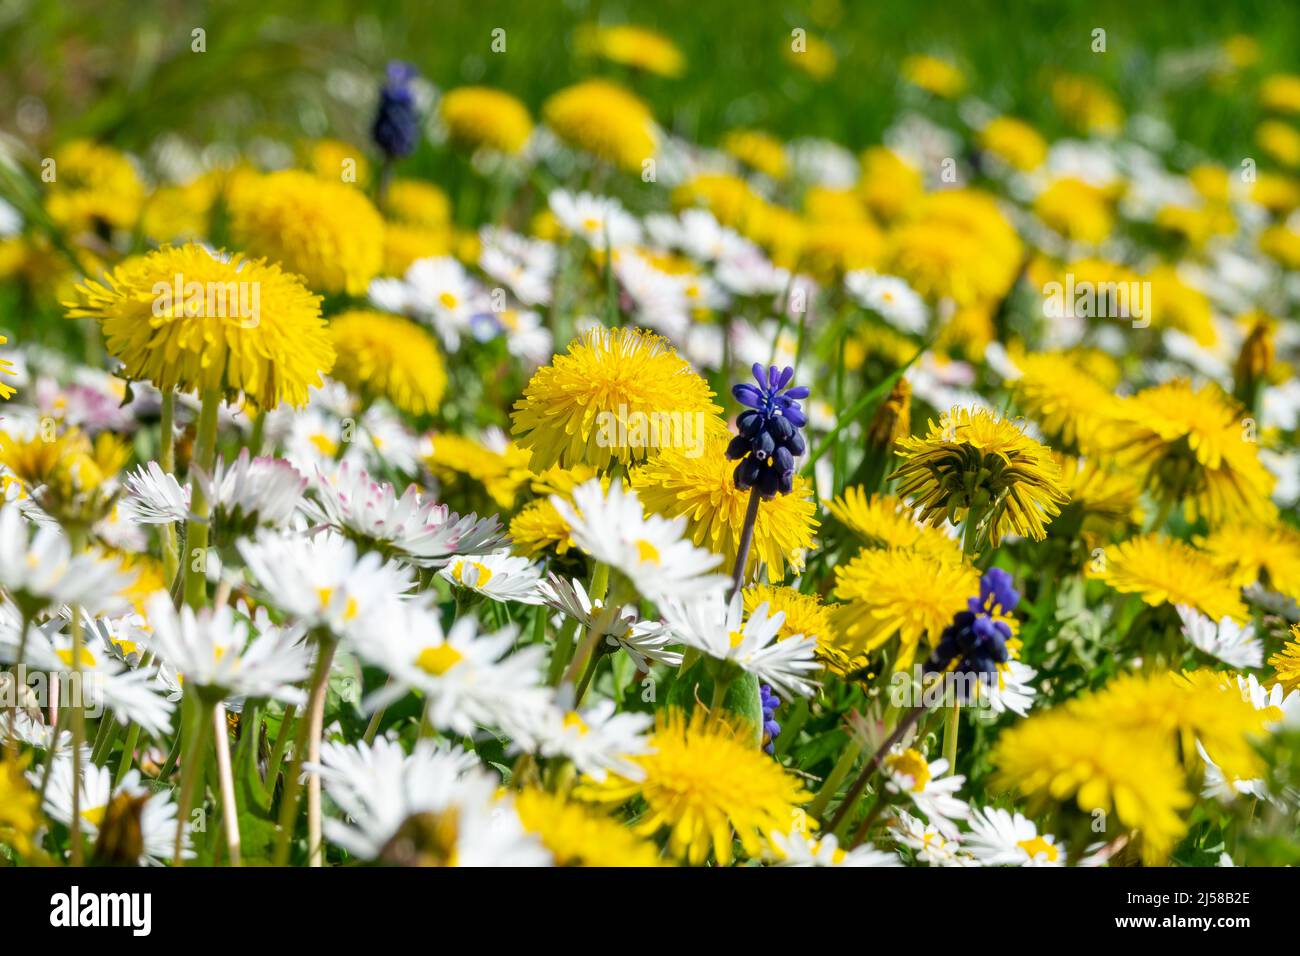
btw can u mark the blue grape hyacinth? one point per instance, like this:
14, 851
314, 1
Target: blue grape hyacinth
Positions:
771, 728
977, 637
396, 129
770, 432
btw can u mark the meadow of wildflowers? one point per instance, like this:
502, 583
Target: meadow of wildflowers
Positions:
620, 452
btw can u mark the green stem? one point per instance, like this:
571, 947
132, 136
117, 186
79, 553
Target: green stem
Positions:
832, 783
167, 460
196, 535
191, 771
951, 728
872, 765
588, 673
78, 730
277, 749
307, 729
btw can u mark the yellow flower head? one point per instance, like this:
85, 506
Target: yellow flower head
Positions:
1286, 662
1014, 141
501, 472
632, 46
806, 615
1108, 502
6, 368
1165, 571
934, 75
482, 116
1087, 104
1267, 553
758, 150
615, 395
404, 243
1058, 754
577, 835
699, 484
956, 244
94, 184
381, 355
20, 806
323, 229
1280, 141
605, 120
235, 325
884, 521
537, 527
1281, 93
417, 203
703, 781
889, 185
335, 159
1066, 401
1195, 447
1076, 209
975, 460
899, 592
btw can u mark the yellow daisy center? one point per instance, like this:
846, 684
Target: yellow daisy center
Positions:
448, 300
573, 721
910, 763
646, 552
94, 815
734, 638
438, 659
86, 659
1036, 846
484, 574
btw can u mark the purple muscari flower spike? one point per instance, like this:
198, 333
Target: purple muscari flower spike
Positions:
771, 728
396, 129
975, 639
770, 438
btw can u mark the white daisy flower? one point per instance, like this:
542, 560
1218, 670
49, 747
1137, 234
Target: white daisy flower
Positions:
321, 581
600, 220
104, 682
437, 290
1219, 786
412, 527
379, 789
1001, 838
891, 298
211, 649
157, 817
651, 551
467, 679
644, 641
799, 848
1268, 698
154, 496
523, 264
718, 627
253, 491
930, 844
40, 570
1012, 691
500, 576
597, 740
908, 773
1227, 641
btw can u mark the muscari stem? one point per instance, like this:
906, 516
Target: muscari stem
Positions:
872, 765
746, 540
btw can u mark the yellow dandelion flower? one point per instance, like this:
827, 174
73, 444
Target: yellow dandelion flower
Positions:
758, 150
830, 249
577, 835
699, 485
181, 213
703, 781
1177, 305
537, 527
1106, 504
1055, 755
94, 184
1280, 92
934, 75
956, 244
889, 185
404, 243
1087, 104
1281, 242
1185, 709
633, 46
1277, 193
502, 472
417, 203
1269, 554
481, 116
975, 461
1076, 209
1064, 399
6, 368
613, 396
1195, 447
884, 521
323, 229
806, 614
1015, 142
339, 161
236, 325
811, 54
1163, 570
387, 356
20, 805
1280, 141
899, 592
605, 120
1286, 662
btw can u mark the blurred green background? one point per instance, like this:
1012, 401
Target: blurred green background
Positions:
124, 72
